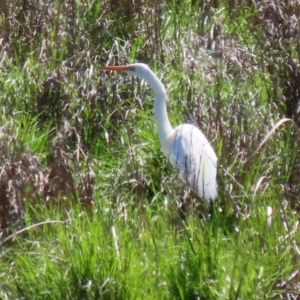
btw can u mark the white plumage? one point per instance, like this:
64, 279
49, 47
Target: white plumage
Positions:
185, 146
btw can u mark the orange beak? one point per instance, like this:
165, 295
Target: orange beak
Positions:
117, 68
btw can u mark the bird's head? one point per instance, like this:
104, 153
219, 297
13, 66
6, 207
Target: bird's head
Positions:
142, 71
137, 69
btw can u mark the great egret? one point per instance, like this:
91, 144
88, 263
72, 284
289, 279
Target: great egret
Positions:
185, 146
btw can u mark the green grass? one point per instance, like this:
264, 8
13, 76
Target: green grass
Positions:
141, 255
99, 213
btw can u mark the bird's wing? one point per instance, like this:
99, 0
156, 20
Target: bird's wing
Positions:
195, 160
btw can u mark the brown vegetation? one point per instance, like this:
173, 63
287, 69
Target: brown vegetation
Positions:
40, 25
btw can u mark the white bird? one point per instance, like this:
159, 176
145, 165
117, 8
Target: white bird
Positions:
185, 146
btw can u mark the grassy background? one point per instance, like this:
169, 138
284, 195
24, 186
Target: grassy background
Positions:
89, 206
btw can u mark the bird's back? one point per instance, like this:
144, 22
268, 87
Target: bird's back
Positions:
191, 153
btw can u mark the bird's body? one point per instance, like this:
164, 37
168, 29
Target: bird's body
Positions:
185, 146
190, 152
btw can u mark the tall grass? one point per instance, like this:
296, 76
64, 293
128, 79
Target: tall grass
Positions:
89, 206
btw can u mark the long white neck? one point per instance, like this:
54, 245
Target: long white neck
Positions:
160, 104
